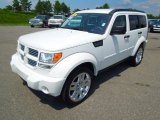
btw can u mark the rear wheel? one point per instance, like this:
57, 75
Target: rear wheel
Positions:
137, 58
32, 26
77, 86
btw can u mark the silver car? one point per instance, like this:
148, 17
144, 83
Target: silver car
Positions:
39, 20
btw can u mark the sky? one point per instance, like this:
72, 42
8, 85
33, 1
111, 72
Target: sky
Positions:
149, 6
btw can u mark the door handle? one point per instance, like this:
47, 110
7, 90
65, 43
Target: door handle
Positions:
127, 36
139, 33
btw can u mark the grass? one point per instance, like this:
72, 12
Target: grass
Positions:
8, 18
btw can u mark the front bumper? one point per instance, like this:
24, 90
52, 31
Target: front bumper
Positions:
35, 80
52, 24
36, 24
156, 29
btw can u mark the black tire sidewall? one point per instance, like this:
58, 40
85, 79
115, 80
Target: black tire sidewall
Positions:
65, 91
136, 55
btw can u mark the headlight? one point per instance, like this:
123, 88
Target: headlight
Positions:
46, 58
40, 22
154, 25
30, 21
50, 58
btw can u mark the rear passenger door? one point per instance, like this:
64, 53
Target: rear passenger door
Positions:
137, 29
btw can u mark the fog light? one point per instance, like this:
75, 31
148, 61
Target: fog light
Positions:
45, 90
44, 66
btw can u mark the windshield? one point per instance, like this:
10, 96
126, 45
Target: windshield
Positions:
151, 22
90, 22
57, 17
158, 22
40, 17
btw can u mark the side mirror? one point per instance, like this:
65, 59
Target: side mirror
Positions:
117, 30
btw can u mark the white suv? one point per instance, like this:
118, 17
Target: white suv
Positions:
63, 61
56, 20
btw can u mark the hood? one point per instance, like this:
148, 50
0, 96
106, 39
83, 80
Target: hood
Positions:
58, 39
35, 19
158, 24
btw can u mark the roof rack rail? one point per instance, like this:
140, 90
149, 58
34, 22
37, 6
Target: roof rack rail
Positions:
125, 10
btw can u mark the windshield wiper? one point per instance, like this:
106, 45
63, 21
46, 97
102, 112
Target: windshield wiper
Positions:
64, 27
72, 28
76, 29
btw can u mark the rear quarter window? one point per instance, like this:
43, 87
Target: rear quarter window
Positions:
137, 22
142, 21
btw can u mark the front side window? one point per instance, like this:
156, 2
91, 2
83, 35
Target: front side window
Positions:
119, 26
151, 22
89, 22
158, 22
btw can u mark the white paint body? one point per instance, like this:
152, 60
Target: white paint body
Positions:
77, 48
53, 21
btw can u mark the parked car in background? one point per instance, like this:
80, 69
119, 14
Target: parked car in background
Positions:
63, 62
39, 20
56, 20
154, 25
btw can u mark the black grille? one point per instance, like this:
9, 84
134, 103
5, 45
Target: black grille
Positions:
32, 62
33, 52
22, 47
22, 57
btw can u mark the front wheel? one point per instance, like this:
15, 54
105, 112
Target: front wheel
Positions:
43, 25
77, 86
151, 30
32, 26
49, 26
137, 58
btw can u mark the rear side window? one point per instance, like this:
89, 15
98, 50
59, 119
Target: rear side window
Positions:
137, 22
142, 21
134, 24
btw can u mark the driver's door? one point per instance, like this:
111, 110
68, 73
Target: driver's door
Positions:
116, 44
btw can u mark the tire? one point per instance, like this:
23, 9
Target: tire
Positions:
137, 58
77, 86
50, 26
43, 25
32, 26
151, 30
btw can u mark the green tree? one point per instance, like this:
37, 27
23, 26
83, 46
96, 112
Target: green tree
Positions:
8, 7
25, 5
47, 7
16, 5
105, 6
76, 10
43, 7
65, 9
57, 7
150, 16
38, 6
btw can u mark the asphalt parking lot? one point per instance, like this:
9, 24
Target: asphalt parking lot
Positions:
120, 93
